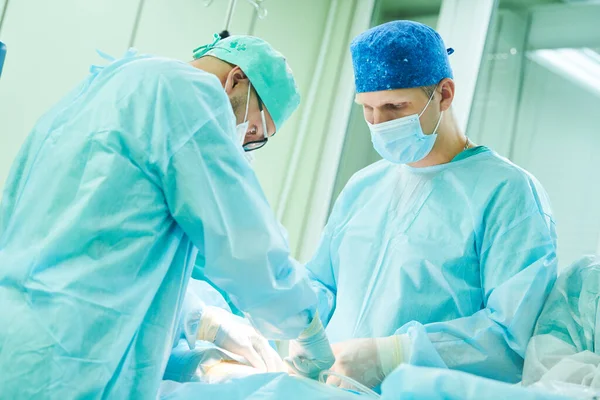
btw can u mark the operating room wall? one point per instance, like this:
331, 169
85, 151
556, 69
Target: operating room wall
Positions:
51, 49
552, 131
558, 140
545, 124
2, 5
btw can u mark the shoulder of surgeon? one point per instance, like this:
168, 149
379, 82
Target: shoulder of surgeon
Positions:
482, 178
166, 99
156, 80
499, 177
363, 185
370, 175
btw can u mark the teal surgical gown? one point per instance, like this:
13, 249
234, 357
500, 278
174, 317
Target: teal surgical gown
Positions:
115, 192
459, 256
565, 347
410, 382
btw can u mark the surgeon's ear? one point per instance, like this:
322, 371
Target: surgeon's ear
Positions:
446, 88
235, 76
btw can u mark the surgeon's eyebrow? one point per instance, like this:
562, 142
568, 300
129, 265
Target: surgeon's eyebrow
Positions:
384, 103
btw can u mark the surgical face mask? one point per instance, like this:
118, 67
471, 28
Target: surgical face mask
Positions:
402, 141
242, 128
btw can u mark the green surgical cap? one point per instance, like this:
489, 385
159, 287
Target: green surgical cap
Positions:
266, 68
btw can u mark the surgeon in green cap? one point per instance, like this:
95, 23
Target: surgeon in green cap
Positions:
243, 72
133, 182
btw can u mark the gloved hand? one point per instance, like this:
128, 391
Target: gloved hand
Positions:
368, 361
236, 335
311, 353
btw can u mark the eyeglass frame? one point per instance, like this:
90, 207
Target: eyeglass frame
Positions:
261, 142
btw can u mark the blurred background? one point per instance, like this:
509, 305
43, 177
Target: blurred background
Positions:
527, 75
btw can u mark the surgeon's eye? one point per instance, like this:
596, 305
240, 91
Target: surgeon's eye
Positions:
396, 106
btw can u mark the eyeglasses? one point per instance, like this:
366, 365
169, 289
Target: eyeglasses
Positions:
257, 144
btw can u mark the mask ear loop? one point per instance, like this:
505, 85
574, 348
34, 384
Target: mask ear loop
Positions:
438, 123
427, 105
247, 101
429, 102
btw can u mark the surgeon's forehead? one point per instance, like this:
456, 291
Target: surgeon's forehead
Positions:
377, 99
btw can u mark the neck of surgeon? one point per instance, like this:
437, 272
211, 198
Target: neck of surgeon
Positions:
450, 142
219, 68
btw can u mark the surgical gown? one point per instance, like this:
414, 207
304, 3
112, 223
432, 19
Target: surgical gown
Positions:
565, 346
459, 256
418, 383
114, 193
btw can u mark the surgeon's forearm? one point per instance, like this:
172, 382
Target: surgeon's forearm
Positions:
282, 306
322, 277
326, 300
272, 291
518, 270
278, 299
475, 344
241, 247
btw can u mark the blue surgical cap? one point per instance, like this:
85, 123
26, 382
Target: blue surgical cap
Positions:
399, 55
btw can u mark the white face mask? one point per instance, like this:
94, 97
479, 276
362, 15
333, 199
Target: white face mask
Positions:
242, 128
402, 141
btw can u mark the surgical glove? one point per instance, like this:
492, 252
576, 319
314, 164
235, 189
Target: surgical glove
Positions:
236, 335
368, 361
311, 353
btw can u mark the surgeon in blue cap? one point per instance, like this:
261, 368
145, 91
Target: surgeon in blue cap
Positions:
441, 254
135, 181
